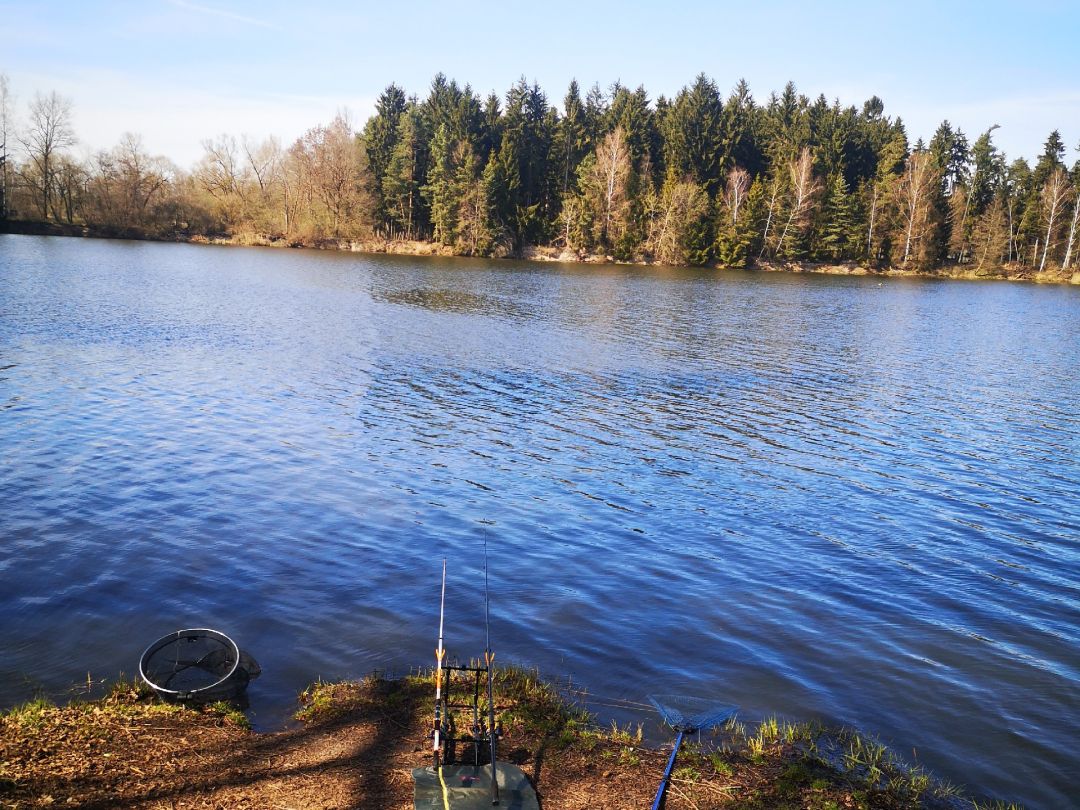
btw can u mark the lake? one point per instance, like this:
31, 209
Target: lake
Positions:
845, 498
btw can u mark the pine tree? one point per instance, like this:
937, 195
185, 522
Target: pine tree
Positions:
838, 233
476, 231
739, 139
405, 173
949, 156
694, 137
441, 191
379, 137
528, 127
571, 142
502, 182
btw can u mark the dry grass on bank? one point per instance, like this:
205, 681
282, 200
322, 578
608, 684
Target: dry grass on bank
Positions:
358, 742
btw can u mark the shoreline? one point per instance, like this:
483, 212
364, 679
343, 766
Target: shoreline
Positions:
356, 743
540, 253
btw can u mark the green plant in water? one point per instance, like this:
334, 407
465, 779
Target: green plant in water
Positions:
769, 730
756, 747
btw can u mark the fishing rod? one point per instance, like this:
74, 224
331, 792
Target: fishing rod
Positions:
440, 651
489, 662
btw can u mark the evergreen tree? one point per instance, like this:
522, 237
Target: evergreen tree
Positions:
595, 114
379, 138
571, 142
477, 233
502, 184
785, 125
1052, 157
405, 174
838, 227
694, 137
490, 137
949, 156
739, 139
527, 130
442, 192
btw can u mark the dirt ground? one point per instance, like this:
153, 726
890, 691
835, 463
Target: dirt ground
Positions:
357, 746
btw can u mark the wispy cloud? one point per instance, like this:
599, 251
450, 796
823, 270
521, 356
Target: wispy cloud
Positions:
224, 13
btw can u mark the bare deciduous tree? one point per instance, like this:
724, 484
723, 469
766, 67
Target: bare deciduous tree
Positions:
219, 174
266, 166
681, 209
990, 236
127, 184
333, 167
735, 191
49, 132
69, 186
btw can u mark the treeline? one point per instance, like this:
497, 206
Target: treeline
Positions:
695, 179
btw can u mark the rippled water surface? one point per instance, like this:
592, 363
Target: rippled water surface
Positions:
842, 498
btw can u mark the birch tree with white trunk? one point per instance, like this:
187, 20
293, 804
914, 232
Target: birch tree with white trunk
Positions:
735, 191
1067, 263
1054, 195
804, 190
914, 202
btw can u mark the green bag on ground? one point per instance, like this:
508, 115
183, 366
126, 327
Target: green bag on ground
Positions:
468, 787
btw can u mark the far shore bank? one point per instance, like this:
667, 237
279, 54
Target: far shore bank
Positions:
541, 253
357, 743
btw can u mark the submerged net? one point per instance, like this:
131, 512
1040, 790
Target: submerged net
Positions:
690, 713
197, 665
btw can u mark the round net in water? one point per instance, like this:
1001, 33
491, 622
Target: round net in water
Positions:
197, 664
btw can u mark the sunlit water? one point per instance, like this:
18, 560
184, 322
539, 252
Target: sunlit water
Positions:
841, 498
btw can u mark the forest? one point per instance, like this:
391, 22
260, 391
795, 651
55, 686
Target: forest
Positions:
697, 179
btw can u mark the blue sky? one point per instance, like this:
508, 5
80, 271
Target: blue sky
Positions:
180, 71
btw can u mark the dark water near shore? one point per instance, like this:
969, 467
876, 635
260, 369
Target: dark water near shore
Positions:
822, 497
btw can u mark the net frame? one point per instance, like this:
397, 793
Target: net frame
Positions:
690, 714
233, 654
